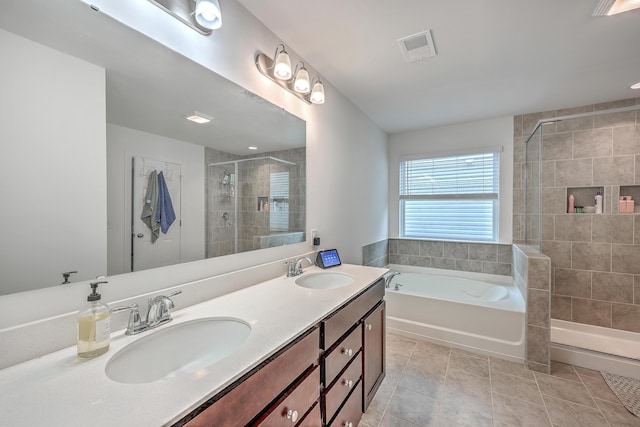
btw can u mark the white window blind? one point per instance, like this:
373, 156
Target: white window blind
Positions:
279, 195
450, 198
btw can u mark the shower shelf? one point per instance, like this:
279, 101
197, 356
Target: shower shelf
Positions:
584, 196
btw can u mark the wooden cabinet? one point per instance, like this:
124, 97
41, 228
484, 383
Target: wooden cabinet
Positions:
240, 403
353, 340
373, 342
325, 377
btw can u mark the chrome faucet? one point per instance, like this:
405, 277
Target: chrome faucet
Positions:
157, 314
297, 268
391, 275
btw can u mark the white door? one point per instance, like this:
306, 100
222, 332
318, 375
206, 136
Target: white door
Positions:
166, 249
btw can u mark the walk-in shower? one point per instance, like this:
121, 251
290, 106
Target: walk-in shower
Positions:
253, 203
595, 258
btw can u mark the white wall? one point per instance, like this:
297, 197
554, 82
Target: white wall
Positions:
122, 145
48, 98
480, 134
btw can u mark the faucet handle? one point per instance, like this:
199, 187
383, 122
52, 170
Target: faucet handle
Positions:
291, 269
135, 322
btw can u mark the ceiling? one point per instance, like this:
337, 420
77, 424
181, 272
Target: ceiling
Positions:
495, 57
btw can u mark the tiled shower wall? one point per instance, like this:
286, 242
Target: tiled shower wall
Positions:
595, 259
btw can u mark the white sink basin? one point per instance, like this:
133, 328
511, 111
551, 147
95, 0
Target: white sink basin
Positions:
325, 280
179, 349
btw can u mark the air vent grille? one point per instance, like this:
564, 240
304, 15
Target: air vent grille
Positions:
417, 46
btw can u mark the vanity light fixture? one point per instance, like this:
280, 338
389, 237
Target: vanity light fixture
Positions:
298, 82
198, 117
635, 86
208, 14
613, 7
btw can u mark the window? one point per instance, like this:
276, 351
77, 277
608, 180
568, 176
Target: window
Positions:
450, 198
279, 195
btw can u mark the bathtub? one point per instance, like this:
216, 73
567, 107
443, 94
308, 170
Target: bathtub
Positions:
478, 312
594, 347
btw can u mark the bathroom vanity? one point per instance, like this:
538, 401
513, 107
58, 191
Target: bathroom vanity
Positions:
314, 357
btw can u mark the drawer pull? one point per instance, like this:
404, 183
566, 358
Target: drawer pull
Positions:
348, 424
347, 352
369, 326
292, 415
348, 383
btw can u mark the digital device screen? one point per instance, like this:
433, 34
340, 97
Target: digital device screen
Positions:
329, 258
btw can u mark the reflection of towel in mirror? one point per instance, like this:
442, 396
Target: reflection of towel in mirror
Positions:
164, 214
148, 215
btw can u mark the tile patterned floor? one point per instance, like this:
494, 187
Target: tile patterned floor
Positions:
432, 385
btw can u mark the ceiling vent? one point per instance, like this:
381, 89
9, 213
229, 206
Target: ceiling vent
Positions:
417, 46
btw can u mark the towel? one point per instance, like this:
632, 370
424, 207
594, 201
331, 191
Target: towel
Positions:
148, 215
164, 213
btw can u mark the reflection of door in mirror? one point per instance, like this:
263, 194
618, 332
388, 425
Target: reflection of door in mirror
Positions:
165, 250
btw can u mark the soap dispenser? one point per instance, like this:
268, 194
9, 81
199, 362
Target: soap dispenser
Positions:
94, 326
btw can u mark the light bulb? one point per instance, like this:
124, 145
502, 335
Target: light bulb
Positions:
317, 93
282, 68
208, 14
301, 84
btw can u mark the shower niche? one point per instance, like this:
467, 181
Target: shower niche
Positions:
255, 203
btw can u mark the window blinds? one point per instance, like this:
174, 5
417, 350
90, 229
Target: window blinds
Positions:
279, 195
450, 198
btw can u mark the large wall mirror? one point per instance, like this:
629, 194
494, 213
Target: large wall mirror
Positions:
95, 135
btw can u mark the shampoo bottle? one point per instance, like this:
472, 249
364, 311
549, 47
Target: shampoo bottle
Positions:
571, 206
94, 326
630, 204
622, 207
598, 203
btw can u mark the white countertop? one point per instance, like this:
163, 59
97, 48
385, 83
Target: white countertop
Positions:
61, 390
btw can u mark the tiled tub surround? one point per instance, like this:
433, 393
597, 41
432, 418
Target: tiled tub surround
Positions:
531, 273
376, 254
595, 259
491, 258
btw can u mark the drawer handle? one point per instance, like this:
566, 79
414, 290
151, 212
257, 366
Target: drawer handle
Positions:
369, 326
292, 415
348, 424
347, 352
348, 383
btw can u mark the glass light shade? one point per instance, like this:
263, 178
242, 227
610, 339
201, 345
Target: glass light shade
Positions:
208, 14
282, 67
317, 93
302, 85
620, 6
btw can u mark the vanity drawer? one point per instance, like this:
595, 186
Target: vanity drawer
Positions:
334, 396
250, 395
313, 418
338, 357
295, 403
339, 322
350, 414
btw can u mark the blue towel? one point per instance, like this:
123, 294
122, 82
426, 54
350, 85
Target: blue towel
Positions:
164, 214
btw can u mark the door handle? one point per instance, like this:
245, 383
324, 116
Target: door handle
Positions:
139, 235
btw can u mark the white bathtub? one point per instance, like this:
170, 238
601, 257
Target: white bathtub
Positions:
594, 347
479, 312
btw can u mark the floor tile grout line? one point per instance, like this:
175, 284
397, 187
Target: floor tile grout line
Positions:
444, 386
395, 387
519, 399
546, 408
595, 401
493, 411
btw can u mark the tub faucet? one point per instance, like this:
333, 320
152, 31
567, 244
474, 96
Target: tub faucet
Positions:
387, 280
298, 265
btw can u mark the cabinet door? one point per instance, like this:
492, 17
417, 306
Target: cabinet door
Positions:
374, 352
